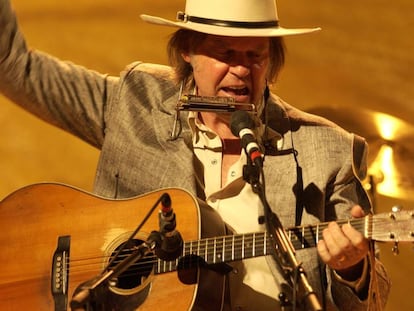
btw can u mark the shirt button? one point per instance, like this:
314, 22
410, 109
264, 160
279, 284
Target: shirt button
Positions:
214, 162
233, 173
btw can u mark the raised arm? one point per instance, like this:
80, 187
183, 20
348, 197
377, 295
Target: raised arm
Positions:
61, 93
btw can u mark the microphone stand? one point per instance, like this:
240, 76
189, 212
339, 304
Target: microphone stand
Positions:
284, 252
88, 294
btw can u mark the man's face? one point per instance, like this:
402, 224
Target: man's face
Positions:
231, 67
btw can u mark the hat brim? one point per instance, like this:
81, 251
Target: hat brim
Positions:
229, 31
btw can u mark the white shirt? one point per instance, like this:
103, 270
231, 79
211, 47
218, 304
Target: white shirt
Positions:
236, 202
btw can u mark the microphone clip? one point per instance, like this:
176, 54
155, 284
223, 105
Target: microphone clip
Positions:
168, 241
251, 174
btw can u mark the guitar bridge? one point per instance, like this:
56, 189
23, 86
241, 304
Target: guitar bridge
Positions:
60, 273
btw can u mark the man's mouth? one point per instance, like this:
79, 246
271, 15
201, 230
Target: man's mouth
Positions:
237, 92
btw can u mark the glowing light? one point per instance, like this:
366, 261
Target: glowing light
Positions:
387, 126
386, 173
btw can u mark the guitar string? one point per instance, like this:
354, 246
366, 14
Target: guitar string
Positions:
172, 266
237, 245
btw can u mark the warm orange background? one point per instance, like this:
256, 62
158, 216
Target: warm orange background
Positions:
364, 57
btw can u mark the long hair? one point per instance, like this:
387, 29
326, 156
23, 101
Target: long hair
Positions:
185, 41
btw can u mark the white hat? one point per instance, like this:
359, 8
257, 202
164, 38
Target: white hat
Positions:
244, 18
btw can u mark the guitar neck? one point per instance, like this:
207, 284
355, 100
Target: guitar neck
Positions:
242, 246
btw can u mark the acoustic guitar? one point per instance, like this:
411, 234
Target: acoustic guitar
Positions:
56, 237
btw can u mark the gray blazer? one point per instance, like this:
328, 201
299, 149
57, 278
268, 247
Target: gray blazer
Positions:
313, 175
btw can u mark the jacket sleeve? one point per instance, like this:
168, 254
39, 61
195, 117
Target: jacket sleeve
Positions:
61, 93
370, 292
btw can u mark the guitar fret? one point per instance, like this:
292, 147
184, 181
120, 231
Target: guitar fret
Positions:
242, 252
248, 244
160, 266
200, 248
223, 250
208, 246
228, 250
317, 234
214, 252
220, 247
232, 248
206, 251
258, 244
238, 249
254, 245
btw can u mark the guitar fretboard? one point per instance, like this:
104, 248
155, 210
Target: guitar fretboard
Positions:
242, 246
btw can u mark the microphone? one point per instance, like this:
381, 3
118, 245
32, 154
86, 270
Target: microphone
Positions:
171, 244
242, 125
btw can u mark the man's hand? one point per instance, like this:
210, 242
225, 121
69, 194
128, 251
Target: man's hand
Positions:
343, 248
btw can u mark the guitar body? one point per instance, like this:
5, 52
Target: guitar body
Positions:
32, 219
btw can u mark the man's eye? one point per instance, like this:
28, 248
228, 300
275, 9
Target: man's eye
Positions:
224, 54
256, 55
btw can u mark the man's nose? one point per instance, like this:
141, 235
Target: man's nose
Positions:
240, 66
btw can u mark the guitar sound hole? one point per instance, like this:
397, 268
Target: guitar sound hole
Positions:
138, 272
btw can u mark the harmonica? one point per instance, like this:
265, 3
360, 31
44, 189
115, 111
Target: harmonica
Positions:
212, 104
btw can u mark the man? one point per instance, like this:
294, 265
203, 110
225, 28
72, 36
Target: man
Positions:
223, 49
